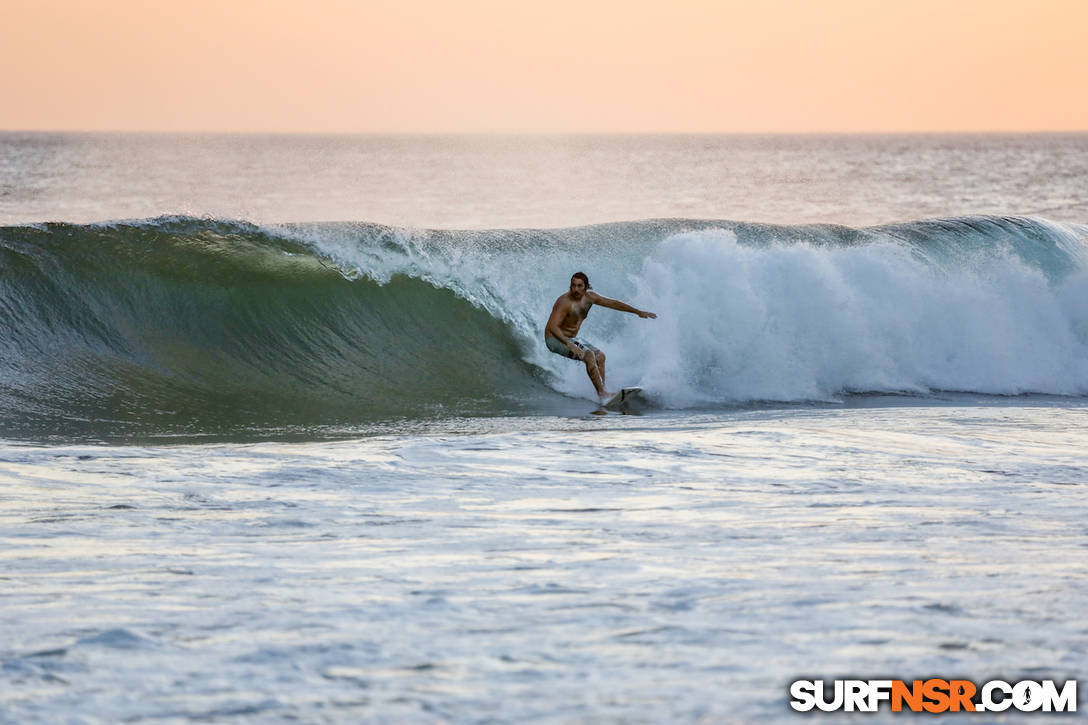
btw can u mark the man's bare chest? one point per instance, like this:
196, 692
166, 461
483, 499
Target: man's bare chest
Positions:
577, 312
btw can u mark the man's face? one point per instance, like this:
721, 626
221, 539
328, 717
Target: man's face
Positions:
577, 287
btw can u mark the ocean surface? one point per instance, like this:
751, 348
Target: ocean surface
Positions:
280, 440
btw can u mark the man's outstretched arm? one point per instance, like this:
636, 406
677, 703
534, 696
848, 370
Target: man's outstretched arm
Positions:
617, 305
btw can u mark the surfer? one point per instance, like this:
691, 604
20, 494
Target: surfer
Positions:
568, 314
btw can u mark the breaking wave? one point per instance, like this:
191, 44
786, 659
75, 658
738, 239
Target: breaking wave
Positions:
184, 326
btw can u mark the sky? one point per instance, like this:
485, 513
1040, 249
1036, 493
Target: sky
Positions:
561, 66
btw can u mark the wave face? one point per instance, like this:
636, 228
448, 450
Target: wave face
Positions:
182, 326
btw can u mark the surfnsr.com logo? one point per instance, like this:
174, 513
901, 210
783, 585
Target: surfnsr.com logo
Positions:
933, 695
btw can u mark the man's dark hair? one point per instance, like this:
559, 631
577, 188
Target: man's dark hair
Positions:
582, 276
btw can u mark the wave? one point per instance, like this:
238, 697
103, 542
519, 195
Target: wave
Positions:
185, 326
181, 326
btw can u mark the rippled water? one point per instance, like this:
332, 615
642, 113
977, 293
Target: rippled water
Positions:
620, 569
541, 181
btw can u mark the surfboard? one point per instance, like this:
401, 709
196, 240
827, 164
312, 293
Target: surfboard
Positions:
622, 398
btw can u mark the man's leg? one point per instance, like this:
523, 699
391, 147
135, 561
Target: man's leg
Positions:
594, 361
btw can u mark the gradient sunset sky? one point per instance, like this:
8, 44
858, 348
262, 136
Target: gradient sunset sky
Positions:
544, 67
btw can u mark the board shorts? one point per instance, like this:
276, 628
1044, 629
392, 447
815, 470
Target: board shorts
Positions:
560, 349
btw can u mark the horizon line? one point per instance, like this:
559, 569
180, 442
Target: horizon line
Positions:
240, 132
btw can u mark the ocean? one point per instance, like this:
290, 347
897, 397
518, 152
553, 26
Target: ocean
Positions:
280, 440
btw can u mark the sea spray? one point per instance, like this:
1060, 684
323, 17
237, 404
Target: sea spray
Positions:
790, 322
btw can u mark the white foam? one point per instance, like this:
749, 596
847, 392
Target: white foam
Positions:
801, 322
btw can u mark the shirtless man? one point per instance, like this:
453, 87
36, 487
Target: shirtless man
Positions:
568, 313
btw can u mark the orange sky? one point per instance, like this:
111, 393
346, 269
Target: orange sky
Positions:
533, 66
